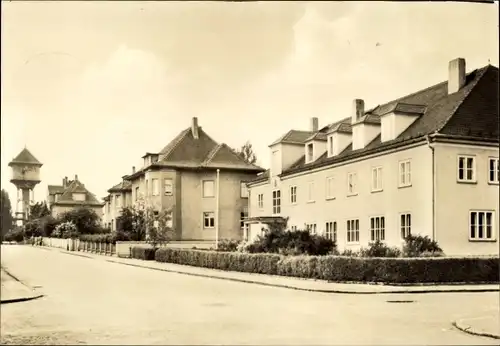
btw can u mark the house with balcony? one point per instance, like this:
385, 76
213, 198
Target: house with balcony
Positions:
70, 195
200, 182
425, 163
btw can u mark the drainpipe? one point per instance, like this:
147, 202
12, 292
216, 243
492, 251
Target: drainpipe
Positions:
431, 146
217, 212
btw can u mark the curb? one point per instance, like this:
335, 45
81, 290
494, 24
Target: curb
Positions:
407, 291
307, 289
467, 329
22, 299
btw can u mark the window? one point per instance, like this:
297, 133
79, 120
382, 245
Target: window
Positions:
330, 191
405, 173
377, 179
377, 228
294, 228
353, 231
78, 196
331, 231
170, 219
310, 195
168, 186
243, 216
276, 201
137, 193
208, 188
208, 220
310, 152
117, 201
481, 225
109, 206
147, 187
494, 170
260, 200
311, 228
243, 190
466, 169
405, 225
293, 194
156, 187
330, 146
352, 180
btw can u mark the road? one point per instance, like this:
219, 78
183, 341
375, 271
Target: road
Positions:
90, 301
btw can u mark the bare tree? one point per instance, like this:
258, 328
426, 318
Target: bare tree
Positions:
246, 153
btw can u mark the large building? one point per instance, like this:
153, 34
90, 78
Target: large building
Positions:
70, 195
182, 179
426, 163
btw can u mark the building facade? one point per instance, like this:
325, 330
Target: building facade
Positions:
201, 183
70, 195
426, 163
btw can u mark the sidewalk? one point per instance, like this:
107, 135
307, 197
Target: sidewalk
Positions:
488, 325
14, 290
287, 282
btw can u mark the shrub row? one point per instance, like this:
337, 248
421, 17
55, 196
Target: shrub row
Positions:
342, 269
108, 238
146, 254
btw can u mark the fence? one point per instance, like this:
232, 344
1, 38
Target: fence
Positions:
78, 245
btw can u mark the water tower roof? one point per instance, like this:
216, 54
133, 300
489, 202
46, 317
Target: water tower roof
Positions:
25, 157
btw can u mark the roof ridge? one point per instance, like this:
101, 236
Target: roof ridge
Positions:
482, 72
181, 136
211, 154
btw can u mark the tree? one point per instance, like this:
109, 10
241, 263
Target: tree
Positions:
132, 224
246, 153
159, 231
38, 210
85, 219
6, 213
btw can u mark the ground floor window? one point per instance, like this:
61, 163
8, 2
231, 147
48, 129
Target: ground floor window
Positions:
311, 228
353, 231
405, 225
481, 225
331, 231
208, 220
377, 228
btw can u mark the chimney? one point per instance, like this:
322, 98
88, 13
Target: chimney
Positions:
133, 169
314, 125
194, 127
456, 75
76, 177
65, 182
358, 110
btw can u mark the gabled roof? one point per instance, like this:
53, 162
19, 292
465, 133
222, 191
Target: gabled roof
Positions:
123, 186
294, 137
77, 187
25, 157
185, 151
53, 189
471, 113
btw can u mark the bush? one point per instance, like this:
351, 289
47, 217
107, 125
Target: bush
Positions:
66, 230
228, 245
416, 245
15, 234
47, 225
292, 243
107, 238
85, 219
32, 229
379, 249
146, 254
249, 263
342, 269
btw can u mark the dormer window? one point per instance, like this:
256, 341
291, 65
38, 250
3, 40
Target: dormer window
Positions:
330, 146
310, 152
78, 196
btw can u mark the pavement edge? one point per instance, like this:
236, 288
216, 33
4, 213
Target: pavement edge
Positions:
468, 329
20, 299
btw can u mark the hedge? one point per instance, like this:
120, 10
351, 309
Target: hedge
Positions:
146, 254
342, 269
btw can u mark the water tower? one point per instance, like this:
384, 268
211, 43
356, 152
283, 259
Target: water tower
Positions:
25, 176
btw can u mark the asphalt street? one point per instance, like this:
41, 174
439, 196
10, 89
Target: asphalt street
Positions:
89, 301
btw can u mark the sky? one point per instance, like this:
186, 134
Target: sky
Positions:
89, 87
